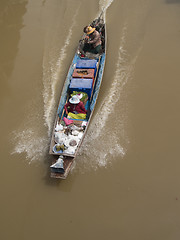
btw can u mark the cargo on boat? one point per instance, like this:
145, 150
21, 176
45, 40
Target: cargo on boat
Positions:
81, 87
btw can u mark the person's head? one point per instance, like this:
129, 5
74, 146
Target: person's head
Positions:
74, 100
88, 30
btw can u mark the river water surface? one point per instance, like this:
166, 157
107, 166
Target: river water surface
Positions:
125, 183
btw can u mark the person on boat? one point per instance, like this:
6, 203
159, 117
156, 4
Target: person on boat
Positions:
75, 108
92, 40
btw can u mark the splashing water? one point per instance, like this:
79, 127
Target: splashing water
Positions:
31, 144
51, 79
121, 76
103, 148
28, 141
104, 4
29, 138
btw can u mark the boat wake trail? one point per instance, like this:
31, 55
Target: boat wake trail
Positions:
104, 4
102, 144
31, 144
31, 138
51, 75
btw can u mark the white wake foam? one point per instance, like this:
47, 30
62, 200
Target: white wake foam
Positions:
101, 144
28, 142
51, 78
104, 4
28, 139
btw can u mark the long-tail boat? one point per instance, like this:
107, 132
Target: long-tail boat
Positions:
83, 80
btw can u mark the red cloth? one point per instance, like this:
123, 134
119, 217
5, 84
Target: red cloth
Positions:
79, 108
67, 121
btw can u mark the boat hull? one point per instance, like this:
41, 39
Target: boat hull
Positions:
69, 157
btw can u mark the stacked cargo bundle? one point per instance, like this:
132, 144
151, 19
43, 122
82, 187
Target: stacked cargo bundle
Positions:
83, 76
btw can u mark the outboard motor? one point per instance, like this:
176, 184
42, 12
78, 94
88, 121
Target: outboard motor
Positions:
58, 166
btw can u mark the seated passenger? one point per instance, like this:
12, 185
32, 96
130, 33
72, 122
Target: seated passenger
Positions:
92, 40
75, 108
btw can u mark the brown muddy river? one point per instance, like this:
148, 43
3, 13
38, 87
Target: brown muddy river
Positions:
125, 183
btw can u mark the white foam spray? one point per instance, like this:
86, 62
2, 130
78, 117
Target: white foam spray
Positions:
104, 4
51, 78
28, 142
29, 138
101, 144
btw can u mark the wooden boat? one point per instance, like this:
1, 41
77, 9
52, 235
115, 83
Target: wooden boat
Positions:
65, 142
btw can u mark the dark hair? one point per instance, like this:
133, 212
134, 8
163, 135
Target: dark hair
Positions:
85, 29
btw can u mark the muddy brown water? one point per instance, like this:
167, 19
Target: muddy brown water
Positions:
125, 183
